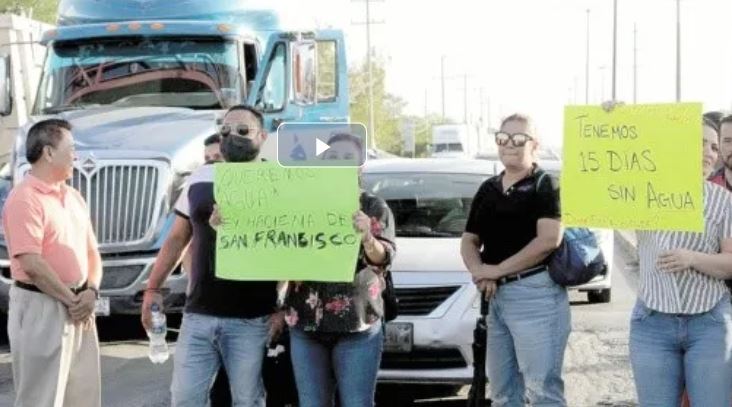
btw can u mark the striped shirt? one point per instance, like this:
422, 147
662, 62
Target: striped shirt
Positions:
689, 291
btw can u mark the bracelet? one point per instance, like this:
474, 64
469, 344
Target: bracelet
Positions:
153, 290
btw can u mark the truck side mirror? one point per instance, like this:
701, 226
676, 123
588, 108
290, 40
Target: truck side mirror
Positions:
304, 71
6, 89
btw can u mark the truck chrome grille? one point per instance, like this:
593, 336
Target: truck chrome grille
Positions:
123, 201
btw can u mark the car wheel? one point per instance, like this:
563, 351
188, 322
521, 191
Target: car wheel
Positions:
599, 296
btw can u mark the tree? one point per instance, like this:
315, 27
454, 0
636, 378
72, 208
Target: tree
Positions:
42, 10
387, 107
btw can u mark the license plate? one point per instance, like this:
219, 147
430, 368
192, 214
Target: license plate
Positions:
399, 337
101, 307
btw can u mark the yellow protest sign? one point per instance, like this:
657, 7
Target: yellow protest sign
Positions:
636, 167
286, 223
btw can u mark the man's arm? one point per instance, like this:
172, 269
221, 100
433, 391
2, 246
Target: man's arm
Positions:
95, 261
169, 256
171, 253
24, 229
43, 277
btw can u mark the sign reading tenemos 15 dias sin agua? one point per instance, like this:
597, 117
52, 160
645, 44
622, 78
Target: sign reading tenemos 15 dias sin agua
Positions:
634, 167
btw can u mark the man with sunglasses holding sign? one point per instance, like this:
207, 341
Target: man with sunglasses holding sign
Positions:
224, 322
513, 227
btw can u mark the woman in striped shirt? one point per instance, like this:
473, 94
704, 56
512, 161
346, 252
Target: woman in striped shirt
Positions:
681, 326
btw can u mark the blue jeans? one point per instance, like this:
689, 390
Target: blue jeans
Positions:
204, 343
349, 361
528, 328
670, 351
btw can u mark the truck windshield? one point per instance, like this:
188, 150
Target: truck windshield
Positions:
198, 73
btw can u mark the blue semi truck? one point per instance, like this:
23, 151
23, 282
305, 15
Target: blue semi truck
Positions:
143, 83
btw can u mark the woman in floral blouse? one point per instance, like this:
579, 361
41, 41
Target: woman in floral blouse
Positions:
335, 328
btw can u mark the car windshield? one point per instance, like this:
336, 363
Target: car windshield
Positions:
200, 73
426, 204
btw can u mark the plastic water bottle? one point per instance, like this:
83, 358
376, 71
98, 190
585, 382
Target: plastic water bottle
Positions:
158, 347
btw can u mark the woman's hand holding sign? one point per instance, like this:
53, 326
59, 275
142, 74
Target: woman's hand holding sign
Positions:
362, 225
375, 251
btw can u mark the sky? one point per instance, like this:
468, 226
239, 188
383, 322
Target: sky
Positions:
529, 55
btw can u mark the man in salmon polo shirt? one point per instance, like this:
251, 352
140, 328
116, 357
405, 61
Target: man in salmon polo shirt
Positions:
56, 270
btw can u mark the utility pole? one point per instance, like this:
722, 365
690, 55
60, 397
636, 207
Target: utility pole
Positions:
465, 98
368, 23
635, 63
443, 78
678, 50
615, 48
442, 81
372, 126
602, 82
587, 62
482, 118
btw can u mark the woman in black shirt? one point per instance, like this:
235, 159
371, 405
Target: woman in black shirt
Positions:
512, 229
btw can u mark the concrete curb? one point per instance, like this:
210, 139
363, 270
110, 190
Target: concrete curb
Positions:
628, 243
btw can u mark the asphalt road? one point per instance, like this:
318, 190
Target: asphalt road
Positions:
597, 370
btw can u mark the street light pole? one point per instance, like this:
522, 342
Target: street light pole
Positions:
442, 81
465, 98
615, 48
602, 82
635, 63
372, 128
587, 62
678, 50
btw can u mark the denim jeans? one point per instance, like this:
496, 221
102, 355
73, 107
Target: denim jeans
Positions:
528, 328
349, 361
670, 351
204, 343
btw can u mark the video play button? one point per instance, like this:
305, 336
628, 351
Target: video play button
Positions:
320, 147
321, 144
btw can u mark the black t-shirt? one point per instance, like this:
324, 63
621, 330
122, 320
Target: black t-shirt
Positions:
207, 294
506, 221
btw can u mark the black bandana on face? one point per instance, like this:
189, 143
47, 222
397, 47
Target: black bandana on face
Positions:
238, 149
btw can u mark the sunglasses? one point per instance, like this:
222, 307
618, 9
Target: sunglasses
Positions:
517, 139
240, 129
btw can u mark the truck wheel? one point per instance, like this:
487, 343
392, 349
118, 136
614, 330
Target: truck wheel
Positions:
599, 296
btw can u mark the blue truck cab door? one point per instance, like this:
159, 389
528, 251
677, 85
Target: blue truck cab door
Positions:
303, 78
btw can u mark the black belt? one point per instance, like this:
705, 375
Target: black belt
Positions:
521, 276
31, 287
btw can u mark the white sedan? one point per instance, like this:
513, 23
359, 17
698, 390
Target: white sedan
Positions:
430, 341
